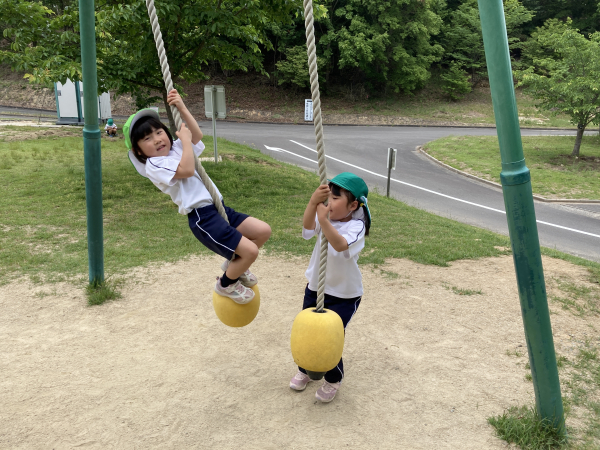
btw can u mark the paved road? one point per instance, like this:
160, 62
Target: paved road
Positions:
417, 181
572, 228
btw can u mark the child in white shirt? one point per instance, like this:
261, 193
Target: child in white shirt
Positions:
170, 165
348, 224
111, 128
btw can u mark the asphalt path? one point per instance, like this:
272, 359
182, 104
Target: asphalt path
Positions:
417, 181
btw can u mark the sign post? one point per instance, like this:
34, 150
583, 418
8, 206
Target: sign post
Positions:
214, 107
391, 164
308, 110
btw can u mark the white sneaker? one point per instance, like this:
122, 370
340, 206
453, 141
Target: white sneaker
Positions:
327, 392
248, 279
236, 292
299, 382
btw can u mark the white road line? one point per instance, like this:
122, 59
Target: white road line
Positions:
276, 149
425, 189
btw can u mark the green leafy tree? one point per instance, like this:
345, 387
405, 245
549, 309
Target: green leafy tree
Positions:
44, 40
294, 69
455, 82
462, 39
565, 74
584, 13
385, 44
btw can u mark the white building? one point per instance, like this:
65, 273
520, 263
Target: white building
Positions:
69, 103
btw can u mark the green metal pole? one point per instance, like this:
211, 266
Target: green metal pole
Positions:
91, 142
520, 214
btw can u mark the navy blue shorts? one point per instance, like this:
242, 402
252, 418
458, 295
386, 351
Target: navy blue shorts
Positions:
214, 232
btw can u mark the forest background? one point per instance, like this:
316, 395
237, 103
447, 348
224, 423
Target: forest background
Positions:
376, 49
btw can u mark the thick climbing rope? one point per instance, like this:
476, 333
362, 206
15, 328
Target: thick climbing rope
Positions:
164, 66
316, 101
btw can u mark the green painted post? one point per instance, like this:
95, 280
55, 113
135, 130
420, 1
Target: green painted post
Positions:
91, 142
520, 214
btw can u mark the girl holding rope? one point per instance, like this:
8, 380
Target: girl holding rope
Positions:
170, 165
345, 229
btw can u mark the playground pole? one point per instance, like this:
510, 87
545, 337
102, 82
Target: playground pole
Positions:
520, 214
91, 142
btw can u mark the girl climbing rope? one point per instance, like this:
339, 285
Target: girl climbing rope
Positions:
345, 230
171, 166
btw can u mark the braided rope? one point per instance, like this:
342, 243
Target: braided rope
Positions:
316, 100
164, 66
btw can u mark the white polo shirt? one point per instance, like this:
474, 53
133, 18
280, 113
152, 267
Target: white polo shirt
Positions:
186, 193
343, 278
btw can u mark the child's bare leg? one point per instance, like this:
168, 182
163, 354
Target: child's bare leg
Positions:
247, 252
255, 230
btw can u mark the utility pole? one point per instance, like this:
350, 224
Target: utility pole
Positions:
91, 142
520, 214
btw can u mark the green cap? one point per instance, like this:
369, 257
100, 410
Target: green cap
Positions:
109, 122
356, 185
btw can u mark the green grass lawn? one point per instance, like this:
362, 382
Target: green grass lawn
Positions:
554, 172
43, 216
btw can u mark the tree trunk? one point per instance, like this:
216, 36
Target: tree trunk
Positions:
169, 113
580, 130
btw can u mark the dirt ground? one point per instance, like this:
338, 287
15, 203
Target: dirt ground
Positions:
156, 369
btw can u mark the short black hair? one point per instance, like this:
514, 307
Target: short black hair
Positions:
144, 127
339, 191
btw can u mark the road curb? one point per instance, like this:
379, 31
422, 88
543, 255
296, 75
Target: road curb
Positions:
498, 185
239, 119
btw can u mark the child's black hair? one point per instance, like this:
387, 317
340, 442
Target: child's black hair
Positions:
144, 127
339, 191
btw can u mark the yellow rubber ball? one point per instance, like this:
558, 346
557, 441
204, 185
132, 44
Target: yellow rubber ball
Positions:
233, 314
317, 339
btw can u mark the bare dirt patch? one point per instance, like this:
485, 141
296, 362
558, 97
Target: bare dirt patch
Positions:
425, 366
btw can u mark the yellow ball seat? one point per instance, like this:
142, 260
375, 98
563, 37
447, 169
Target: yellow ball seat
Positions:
317, 339
233, 314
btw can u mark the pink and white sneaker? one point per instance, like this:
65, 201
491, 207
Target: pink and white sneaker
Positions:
248, 279
327, 392
299, 382
236, 292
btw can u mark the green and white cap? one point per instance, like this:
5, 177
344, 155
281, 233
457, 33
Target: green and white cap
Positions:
356, 185
147, 112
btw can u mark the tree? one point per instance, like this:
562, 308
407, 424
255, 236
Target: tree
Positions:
462, 39
385, 44
583, 13
44, 41
565, 74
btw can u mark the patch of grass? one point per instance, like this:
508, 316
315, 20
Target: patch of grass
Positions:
515, 352
561, 361
523, 427
459, 291
577, 298
389, 274
580, 384
43, 228
554, 173
98, 293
